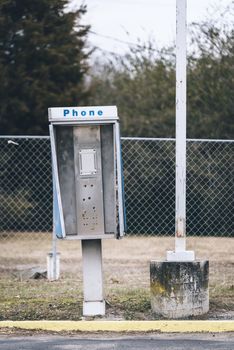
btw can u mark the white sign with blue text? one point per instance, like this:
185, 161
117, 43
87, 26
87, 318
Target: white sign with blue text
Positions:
69, 114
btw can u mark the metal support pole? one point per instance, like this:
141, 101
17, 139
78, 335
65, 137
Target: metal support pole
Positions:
180, 244
94, 303
180, 253
54, 252
53, 258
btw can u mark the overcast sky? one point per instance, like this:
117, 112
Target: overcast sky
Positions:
128, 20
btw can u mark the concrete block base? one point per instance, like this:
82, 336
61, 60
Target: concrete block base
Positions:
179, 289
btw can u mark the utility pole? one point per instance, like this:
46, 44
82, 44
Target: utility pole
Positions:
180, 253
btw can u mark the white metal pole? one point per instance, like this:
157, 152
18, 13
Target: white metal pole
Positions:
53, 256
181, 26
54, 242
180, 253
94, 303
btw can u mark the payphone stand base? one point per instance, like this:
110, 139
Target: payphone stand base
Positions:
94, 303
94, 308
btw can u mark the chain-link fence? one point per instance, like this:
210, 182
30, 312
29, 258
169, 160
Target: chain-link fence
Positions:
25, 185
149, 173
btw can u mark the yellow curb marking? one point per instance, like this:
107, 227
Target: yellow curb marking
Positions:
124, 326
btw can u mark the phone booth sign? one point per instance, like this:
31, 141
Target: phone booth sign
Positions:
86, 159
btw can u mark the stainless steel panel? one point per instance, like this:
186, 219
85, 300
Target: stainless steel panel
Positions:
65, 156
109, 178
88, 187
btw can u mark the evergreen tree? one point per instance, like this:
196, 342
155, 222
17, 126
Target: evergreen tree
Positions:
43, 61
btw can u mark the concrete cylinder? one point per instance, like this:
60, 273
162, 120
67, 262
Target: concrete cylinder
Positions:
179, 289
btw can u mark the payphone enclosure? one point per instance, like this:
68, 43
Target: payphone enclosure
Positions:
87, 172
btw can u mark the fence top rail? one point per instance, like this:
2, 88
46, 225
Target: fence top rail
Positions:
173, 139
122, 138
23, 137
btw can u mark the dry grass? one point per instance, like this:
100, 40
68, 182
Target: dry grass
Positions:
126, 269
125, 262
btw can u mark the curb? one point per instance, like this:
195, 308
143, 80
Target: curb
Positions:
124, 326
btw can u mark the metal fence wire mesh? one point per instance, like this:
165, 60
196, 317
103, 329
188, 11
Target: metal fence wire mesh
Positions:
149, 174
25, 185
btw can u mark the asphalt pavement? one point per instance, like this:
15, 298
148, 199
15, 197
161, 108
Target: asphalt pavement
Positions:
146, 342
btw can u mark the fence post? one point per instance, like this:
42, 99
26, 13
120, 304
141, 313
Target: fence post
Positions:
53, 258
